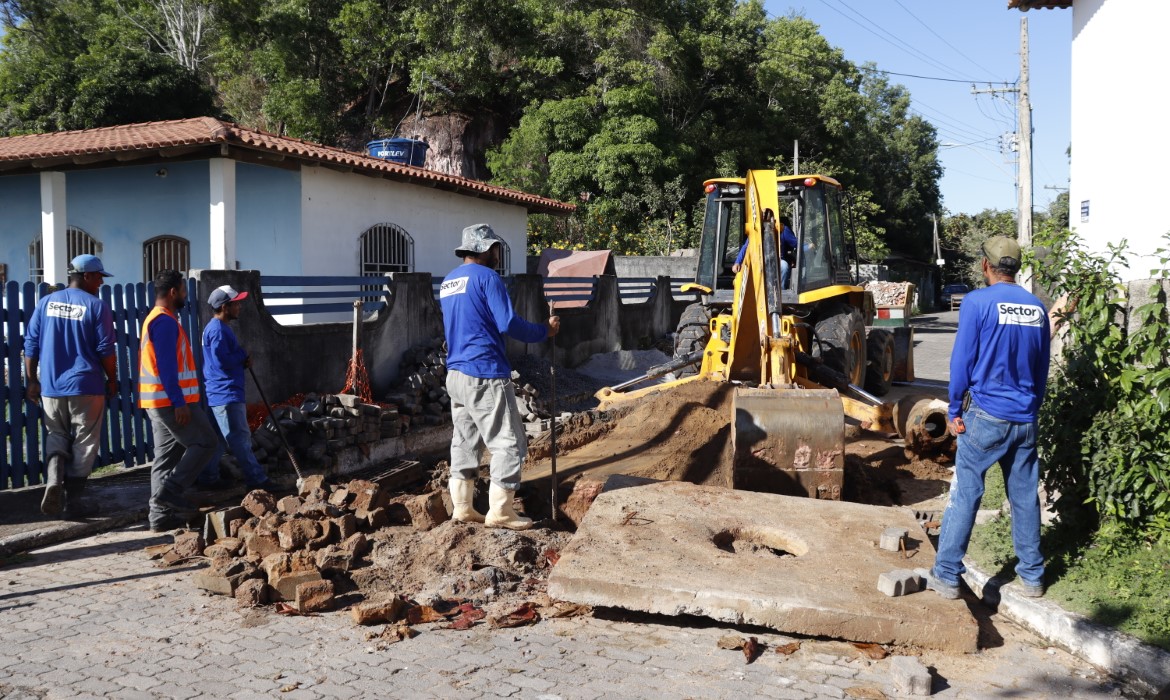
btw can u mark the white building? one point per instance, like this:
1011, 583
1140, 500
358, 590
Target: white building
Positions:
1117, 188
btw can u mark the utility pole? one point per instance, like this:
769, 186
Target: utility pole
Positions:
1024, 231
1023, 148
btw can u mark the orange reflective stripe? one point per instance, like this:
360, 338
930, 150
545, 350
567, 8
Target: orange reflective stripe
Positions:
151, 392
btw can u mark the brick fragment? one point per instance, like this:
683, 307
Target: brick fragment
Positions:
427, 511
188, 544
285, 585
346, 525
251, 593
891, 540
377, 519
259, 503
377, 611
333, 558
909, 676
289, 504
585, 491
312, 483
357, 545
216, 583
261, 545
314, 596
340, 497
296, 534
328, 535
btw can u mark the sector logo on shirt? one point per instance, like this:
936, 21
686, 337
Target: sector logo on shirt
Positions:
59, 309
453, 287
1020, 314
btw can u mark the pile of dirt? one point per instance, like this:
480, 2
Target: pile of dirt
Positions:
486, 566
684, 434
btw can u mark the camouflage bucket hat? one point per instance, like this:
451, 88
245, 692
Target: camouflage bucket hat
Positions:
477, 239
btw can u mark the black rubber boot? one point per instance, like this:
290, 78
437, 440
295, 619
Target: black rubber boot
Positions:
54, 498
76, 506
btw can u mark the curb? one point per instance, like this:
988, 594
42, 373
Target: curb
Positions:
1117, 653
56, 534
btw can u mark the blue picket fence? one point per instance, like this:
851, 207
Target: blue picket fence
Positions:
126, 437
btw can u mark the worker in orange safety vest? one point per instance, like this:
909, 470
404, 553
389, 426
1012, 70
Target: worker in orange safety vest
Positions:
168, 388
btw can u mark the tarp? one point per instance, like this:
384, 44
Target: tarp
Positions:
579, 265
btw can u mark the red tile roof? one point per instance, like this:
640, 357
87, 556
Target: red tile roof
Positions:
97, 145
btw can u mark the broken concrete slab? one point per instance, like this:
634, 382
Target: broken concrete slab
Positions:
793, 564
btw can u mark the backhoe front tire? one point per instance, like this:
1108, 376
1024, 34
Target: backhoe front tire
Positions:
879, 369
694, 330
840, 341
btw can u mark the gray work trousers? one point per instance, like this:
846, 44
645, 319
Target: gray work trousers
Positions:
74, 424
180, 454
483, 412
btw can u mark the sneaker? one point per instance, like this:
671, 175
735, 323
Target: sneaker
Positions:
944, 589
1031, 590
54, 499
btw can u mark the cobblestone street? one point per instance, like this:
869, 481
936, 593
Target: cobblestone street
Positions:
95, 618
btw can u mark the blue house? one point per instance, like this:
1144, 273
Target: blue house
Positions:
203, 193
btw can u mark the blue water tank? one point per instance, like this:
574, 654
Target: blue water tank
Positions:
405, 151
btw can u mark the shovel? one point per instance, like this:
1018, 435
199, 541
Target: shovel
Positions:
279, 431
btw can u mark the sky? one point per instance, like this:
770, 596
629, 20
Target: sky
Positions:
966, 42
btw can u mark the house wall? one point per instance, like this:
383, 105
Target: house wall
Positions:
337, 207
268, 219
1119, 152
20, 221
124, 207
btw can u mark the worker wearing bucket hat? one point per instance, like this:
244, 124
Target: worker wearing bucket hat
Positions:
477, 314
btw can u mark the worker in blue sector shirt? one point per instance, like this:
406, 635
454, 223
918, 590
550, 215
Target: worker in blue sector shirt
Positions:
788, 243
477, 313
999, 370
224, 362
71, 368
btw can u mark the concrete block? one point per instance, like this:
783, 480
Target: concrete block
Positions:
251, 593
288, 505
259, 503
909, 676
188, 545
892, 537
216, 583
285, 585
900, 582
427, 511
296, 534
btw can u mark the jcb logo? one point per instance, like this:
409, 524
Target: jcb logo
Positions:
57, 309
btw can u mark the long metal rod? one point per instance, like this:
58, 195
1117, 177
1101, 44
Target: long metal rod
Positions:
552, 376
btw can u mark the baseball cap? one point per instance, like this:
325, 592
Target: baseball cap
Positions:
477, 239
1002, 251
222, 295
88, 263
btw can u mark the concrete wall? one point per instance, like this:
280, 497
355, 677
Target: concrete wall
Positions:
314, 357
634, 266
337, 207
1114, 113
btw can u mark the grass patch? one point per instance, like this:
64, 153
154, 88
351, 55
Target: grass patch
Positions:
1110, 577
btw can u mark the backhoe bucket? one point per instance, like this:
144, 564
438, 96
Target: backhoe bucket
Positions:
789, 441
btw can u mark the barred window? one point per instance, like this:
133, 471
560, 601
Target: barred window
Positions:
77, 242
385, 248
505, 266
165, 253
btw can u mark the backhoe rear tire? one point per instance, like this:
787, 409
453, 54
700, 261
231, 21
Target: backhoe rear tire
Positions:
879, 368
840, 341
694, 330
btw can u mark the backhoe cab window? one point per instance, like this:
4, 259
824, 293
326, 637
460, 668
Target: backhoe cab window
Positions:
722, 238
815, 265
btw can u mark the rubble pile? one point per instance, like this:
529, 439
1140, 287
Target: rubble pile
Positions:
299, 549
889, 293
421, 395
321, 426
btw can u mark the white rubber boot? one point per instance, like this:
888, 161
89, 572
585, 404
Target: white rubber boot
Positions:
501, 513
462, 494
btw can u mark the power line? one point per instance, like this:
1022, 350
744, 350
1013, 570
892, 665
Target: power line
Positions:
896, 42
940, 38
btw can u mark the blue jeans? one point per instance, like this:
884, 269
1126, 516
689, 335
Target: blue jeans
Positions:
785, 273
986, 441
233, 425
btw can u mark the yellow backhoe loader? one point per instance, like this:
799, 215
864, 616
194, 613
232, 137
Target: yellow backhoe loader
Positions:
798, 355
